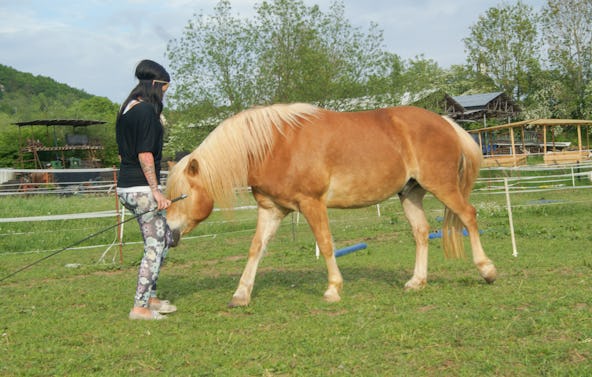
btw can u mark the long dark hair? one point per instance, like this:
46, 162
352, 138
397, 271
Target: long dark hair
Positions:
152, 77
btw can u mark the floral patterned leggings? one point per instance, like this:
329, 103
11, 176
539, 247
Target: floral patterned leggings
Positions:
157, 238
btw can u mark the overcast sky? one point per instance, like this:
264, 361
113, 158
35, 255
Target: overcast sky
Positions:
94, 45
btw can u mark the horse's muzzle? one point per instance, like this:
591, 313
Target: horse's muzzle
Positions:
176, 238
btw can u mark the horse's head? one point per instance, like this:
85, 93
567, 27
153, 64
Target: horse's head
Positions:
184, 215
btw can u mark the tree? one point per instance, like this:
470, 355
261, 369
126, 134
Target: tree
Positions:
390, 80
9, 137
422, 74
288, 52
503, 45
462, 79
98, 108
568, 32
213, 61
291, 59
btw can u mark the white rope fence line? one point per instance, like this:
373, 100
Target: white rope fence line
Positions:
251, 230
488, 191
542, 167
71, 216
527, 191
539, 178
72, 189
577, 171
211, 235
113, 213
185, 238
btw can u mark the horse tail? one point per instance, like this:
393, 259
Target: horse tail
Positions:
468, 171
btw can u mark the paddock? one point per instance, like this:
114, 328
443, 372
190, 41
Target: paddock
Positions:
538, 306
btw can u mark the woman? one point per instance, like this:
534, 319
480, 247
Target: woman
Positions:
139, 133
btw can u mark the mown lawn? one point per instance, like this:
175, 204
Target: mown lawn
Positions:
536, 320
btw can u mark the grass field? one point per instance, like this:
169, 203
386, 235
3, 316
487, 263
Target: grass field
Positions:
536, 320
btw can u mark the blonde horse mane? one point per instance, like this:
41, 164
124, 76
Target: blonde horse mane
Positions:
239, 142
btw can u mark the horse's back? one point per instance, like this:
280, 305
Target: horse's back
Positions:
355, 159
404, 135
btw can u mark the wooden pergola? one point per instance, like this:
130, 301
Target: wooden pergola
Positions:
74, 142
550, 152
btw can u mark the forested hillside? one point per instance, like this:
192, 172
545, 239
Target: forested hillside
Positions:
25, 97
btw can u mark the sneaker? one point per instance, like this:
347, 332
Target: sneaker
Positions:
162, 307
153, 316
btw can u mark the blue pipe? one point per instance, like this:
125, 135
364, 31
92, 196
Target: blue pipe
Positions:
350, 249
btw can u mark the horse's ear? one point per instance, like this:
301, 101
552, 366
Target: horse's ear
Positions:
193, 167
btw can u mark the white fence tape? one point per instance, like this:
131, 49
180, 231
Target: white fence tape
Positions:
516, 184
71, 216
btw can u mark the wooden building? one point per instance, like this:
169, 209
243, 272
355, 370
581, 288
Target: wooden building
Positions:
480, 107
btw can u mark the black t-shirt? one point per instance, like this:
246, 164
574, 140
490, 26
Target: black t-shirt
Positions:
138, 130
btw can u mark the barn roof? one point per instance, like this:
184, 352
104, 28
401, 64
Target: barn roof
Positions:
477, 101
478, 106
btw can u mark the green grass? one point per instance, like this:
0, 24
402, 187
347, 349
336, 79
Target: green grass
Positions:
536, 320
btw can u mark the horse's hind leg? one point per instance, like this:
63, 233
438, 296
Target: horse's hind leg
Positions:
318, 220
468, 216
268, 221
412, 202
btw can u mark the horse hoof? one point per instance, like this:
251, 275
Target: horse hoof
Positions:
331, 295
237, 302
415, 285
488, 272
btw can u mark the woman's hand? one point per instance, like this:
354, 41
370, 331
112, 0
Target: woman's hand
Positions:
161, 200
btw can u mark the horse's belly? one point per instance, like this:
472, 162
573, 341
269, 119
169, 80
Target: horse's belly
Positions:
362, 189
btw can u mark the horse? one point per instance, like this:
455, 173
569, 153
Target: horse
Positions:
300, 157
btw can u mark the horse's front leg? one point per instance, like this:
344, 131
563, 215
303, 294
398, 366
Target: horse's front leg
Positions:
268, 221
412, 202
316, 215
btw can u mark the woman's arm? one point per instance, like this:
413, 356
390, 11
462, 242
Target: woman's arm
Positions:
147, 164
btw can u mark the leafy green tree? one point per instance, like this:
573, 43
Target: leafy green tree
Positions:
213, 61
291, 59
9, 136
390, 79
310, 56
567, 26
422, 74
101, 109
287, 52
503, 44
462, 79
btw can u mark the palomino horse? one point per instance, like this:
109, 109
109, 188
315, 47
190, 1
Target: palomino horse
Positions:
299, 157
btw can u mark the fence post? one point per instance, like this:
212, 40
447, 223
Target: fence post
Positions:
293, 227
509, 205
119, 228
